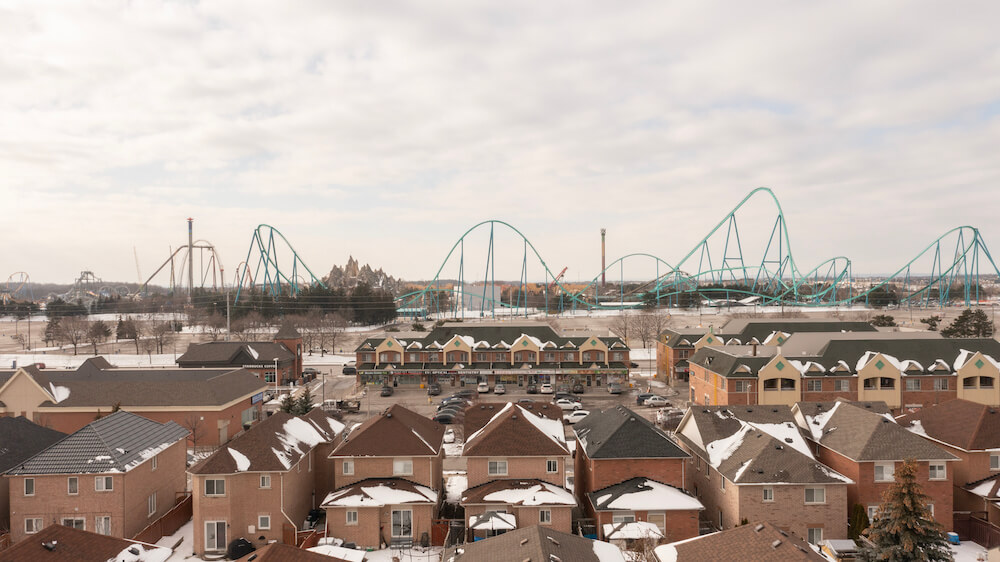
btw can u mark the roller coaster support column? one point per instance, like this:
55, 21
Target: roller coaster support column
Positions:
190, 259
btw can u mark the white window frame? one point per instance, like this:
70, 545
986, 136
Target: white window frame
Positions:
493, 467
810, 383
811, 531
551, 463
347, 468
392, 526
261, 525
767, 494
265, 481
909, 383
151, 505
815, 489
225, 536
28, 481
841, 386
153, 463
995, 462
885, 466
545, 516
402, 467
215, 488
617, 518
32, 525
351, 517
73, 485
943, 466
942, 384
930, 509
83, 522
104, 484
722, 482
102, 524
872, 512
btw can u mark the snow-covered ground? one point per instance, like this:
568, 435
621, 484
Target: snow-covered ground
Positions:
968, 552
456, 482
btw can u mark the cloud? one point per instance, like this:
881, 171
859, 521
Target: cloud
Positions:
385, 130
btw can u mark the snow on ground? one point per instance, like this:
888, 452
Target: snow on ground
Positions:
455, 485
415, 554
968, 552
453, 449
185, 550
64, 361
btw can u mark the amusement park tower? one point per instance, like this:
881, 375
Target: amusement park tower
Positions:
604, 282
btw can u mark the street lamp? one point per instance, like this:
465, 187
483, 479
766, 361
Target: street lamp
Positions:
275, 377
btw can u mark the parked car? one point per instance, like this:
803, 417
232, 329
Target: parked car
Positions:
467, 393
445, 417
566, 404
350, 369
614, 388
567, 396
563, 388
575, 416
386, 391
433, 389
640, 399
311, 371
525, 401
483, 387
532, 389
656, 402
545, 388
578, 388
499, 389
449, 435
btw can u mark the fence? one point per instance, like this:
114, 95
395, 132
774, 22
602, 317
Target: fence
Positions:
5, 541
310, 538
971, 527
169, 523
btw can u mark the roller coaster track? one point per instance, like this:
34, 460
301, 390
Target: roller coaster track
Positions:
774, 279
266, 273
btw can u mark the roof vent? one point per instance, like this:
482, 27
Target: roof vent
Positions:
992, 411
779, 447
50, 546
749, 410
134, 551
631, 419
776, 543
788, 440
513, 417
524, 542
774, 410
553, 541
759, 527
388, 414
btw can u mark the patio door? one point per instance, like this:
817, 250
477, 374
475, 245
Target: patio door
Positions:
402, 524
215, 535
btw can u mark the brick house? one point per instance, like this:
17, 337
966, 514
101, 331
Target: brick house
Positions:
516, 354
115, 476
858, 442
257, 357
617, 445
516, 464
20, 440
753, 464
263, 483
671, 512
763, 542
675, 346
217, 403
477, 415
395, 450
906, 371
67, 544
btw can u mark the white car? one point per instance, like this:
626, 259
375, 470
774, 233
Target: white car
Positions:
567, 404
483, 387
656, 402
499, 389
449, 435
545, 389
575, 416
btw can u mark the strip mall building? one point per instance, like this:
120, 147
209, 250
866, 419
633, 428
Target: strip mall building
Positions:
514, 354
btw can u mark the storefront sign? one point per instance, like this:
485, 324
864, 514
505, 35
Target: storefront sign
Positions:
259, 397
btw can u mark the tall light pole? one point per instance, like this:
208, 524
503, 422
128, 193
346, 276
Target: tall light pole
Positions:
275, 377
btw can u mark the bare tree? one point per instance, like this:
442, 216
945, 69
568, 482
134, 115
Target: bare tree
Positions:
643, 329
194, 424
332, 326
622, 325
215, 325
310, 329
161, 331
73, 329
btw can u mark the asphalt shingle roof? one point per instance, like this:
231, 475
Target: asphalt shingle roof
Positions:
115, 443
71, 545
516, 432
235, 354
395, 432
964, 424
533, 543
642, 492
760, 542
620, 433
493, 334
21, 439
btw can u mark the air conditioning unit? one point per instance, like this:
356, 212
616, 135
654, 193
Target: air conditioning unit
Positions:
251, 529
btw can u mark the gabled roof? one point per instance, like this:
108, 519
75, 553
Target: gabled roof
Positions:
754, 445
760, 542
378, 492
964, 424
643, 494
515, 431
988, 488
527, 491
395, 432
274, 445
724, 360
747, 328
235, 354
862, 435
620, 433
287, 332
535, 543
479, 413
499, 335
115, 443
20, 439
75, 545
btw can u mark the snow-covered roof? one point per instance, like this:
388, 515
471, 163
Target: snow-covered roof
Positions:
493, 521
631, 530
380, 492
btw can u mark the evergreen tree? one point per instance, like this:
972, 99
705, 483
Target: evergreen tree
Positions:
883, 321
932, 322
858, 521
903, 530
288, 404
304, 403
970, 324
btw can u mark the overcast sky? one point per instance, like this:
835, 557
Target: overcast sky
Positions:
385, 130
